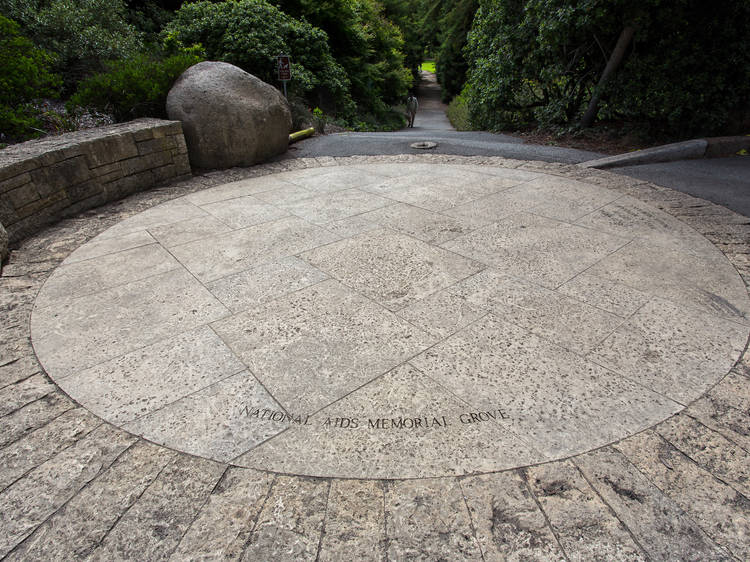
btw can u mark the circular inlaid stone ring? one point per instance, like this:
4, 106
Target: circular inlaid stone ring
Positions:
395, 320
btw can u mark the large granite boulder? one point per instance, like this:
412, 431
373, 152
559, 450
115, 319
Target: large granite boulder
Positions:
229, 117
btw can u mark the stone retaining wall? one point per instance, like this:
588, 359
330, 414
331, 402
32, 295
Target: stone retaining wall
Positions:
45, 180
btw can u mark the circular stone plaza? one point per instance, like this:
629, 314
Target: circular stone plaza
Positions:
414, 357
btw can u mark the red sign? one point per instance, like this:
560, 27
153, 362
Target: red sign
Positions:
284, 67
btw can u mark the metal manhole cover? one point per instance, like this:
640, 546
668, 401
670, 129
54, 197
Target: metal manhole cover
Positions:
423, 145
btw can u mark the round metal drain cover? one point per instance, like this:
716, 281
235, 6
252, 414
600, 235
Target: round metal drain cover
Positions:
424, 145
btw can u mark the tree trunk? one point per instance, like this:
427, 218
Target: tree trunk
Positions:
612, 64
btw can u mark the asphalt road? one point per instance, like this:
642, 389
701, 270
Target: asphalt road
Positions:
725, 181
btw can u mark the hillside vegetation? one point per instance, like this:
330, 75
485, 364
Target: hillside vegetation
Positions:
661, 68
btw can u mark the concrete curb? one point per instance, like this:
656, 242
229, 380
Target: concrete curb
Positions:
714, 147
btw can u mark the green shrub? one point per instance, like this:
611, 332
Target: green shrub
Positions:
458, 114
252, 33
134, 87
24, 76
82, 33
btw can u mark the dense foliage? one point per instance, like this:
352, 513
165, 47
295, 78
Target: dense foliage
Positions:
134, 87
686, 71
443, 29
24, 75
81, 33
251, 33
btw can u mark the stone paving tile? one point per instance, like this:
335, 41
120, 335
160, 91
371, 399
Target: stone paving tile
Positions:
175, 234
226, 520
290, 524
726, 409
558, 318
558, 400
106, 246
706, 284
138, 383
710, 450
354, 525
442, 314
19, 457
440, 194
656, 521
322, 180
433, 228
168, 213
720, 510
24, 392
497, 206
28, 502
628, 215
244, 211
391, 268
329, 207
583, 523
606, 294
75, 336
428, 520
153, 526
567, 200
309, 352
236, 189
218, 256
32, 416
287, 195
542, 250
264, 283
645, 349
508, 521
75, 530
213, 422
17, 362
351, 226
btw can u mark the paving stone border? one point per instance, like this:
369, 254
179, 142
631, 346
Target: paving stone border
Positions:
44, 180
74, 487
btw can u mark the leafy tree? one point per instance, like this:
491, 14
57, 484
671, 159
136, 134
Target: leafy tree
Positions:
24, 76
455, 24
686, 70
252, 33
367, 44
404, 15
444, 28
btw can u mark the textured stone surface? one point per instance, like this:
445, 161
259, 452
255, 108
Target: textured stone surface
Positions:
508, 520
78, 528
679, 490
3, 244
428, 519
230, 117
247, 324
646, 510
155, 523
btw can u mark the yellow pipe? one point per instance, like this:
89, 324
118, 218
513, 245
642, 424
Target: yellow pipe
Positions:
294, 137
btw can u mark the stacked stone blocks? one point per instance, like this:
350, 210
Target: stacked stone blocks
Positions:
45, 180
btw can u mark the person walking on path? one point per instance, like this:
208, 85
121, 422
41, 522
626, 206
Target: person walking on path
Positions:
411, 108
